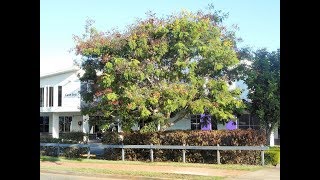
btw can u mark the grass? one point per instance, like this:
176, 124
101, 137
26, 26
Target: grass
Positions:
175, 164
97, 171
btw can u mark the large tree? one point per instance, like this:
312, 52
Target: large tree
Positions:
158, 67
260, 71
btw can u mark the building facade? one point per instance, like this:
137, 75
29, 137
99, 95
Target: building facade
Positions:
60, 103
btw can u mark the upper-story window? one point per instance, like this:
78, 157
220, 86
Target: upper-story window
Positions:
59, 95
41, 97
87, 86
50, 96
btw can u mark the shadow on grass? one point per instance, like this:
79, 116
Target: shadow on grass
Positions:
49, 158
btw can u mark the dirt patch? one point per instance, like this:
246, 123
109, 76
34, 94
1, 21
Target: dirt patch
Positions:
161, 169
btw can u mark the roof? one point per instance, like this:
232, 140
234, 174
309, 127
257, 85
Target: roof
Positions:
73, 69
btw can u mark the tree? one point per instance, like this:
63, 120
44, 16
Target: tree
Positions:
261, 73
160, 67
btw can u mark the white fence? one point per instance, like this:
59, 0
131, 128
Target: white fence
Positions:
152, 147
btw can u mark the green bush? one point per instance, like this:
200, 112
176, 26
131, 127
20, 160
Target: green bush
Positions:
48, 151
69, 152
73, 152
192, 138
57, 140
72, 136
272, 156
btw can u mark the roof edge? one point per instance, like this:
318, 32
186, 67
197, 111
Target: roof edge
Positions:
63, 71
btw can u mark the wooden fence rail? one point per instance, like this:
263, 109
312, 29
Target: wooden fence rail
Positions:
152, 147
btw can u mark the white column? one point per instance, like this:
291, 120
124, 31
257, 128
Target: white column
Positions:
85, 127
55, 125
272, 139
44, 96
55, 96
85, 124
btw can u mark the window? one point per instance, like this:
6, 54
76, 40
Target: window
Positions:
64, 123
41, 97
246, 121
87, 86
195, 122
44, 123
59, 95
50, 96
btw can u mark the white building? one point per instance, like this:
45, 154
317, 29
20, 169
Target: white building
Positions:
60, 103
60, 108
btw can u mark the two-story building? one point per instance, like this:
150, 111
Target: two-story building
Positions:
60, 103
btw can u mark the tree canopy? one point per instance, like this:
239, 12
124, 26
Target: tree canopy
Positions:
158, 67
261, 73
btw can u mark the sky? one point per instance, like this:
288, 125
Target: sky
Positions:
258, 22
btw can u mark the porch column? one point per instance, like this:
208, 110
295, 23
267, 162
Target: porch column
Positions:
85, 124
272, 138
55, 125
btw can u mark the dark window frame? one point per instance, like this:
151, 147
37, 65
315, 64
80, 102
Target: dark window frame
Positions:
195, 122
44, 123
59, 96
51, 91
65, 123
41, 97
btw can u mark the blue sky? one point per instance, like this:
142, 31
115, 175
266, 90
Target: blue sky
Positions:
258, 20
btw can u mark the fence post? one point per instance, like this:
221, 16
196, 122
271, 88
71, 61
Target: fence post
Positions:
184, 154
218, 155
262, 156
58, 150
122, 153
151, 153
88, 152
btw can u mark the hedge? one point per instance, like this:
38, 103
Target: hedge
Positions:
67, 138
272, 156
68, 152
192, 138
64, 138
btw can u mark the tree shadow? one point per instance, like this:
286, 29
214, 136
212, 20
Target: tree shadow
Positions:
49, 158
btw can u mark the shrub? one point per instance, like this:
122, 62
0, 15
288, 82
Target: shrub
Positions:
74, 152
47, 139
69, 152
72, 136
48, 151
57, 140
272, 156
192, 138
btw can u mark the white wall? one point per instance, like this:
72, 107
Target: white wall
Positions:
70, 92
221, 126
276, 133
